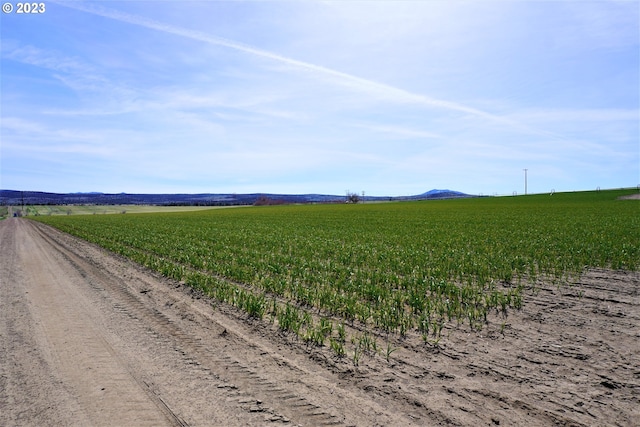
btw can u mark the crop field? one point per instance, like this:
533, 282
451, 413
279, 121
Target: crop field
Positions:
387, 269
48, 210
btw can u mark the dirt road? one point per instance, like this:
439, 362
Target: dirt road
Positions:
88, 338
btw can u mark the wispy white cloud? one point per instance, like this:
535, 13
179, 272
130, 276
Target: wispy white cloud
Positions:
20, 135
577, 115
41, 58
77, 75
397, 131
610, 24
377, 89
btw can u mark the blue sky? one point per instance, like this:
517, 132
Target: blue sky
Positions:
386, 97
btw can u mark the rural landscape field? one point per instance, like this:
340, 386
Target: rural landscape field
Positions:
393, 267
504, 311
320, 213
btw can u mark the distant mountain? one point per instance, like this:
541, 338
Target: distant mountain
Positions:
443, 194
13, 197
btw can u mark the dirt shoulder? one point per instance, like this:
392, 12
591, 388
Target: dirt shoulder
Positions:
88, 338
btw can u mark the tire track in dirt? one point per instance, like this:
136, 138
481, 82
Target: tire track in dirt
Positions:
76, 352
573, 356
26, 399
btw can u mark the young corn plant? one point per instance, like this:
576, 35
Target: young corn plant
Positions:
342, 335
337, 346
289, 319
390, 349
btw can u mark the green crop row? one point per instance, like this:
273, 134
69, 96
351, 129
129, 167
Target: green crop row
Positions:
395, 267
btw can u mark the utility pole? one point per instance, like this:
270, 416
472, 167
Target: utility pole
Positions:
525, 181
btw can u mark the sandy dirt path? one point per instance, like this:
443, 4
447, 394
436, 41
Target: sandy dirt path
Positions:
88, 338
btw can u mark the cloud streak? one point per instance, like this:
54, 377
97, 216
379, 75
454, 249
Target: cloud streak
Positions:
369, 86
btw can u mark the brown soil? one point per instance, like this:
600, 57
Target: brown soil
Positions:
630, 197
88, 338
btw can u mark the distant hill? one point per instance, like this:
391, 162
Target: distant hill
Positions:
443, 194
16, 198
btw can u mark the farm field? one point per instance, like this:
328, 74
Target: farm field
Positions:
503, 311
47, 210
390, 268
